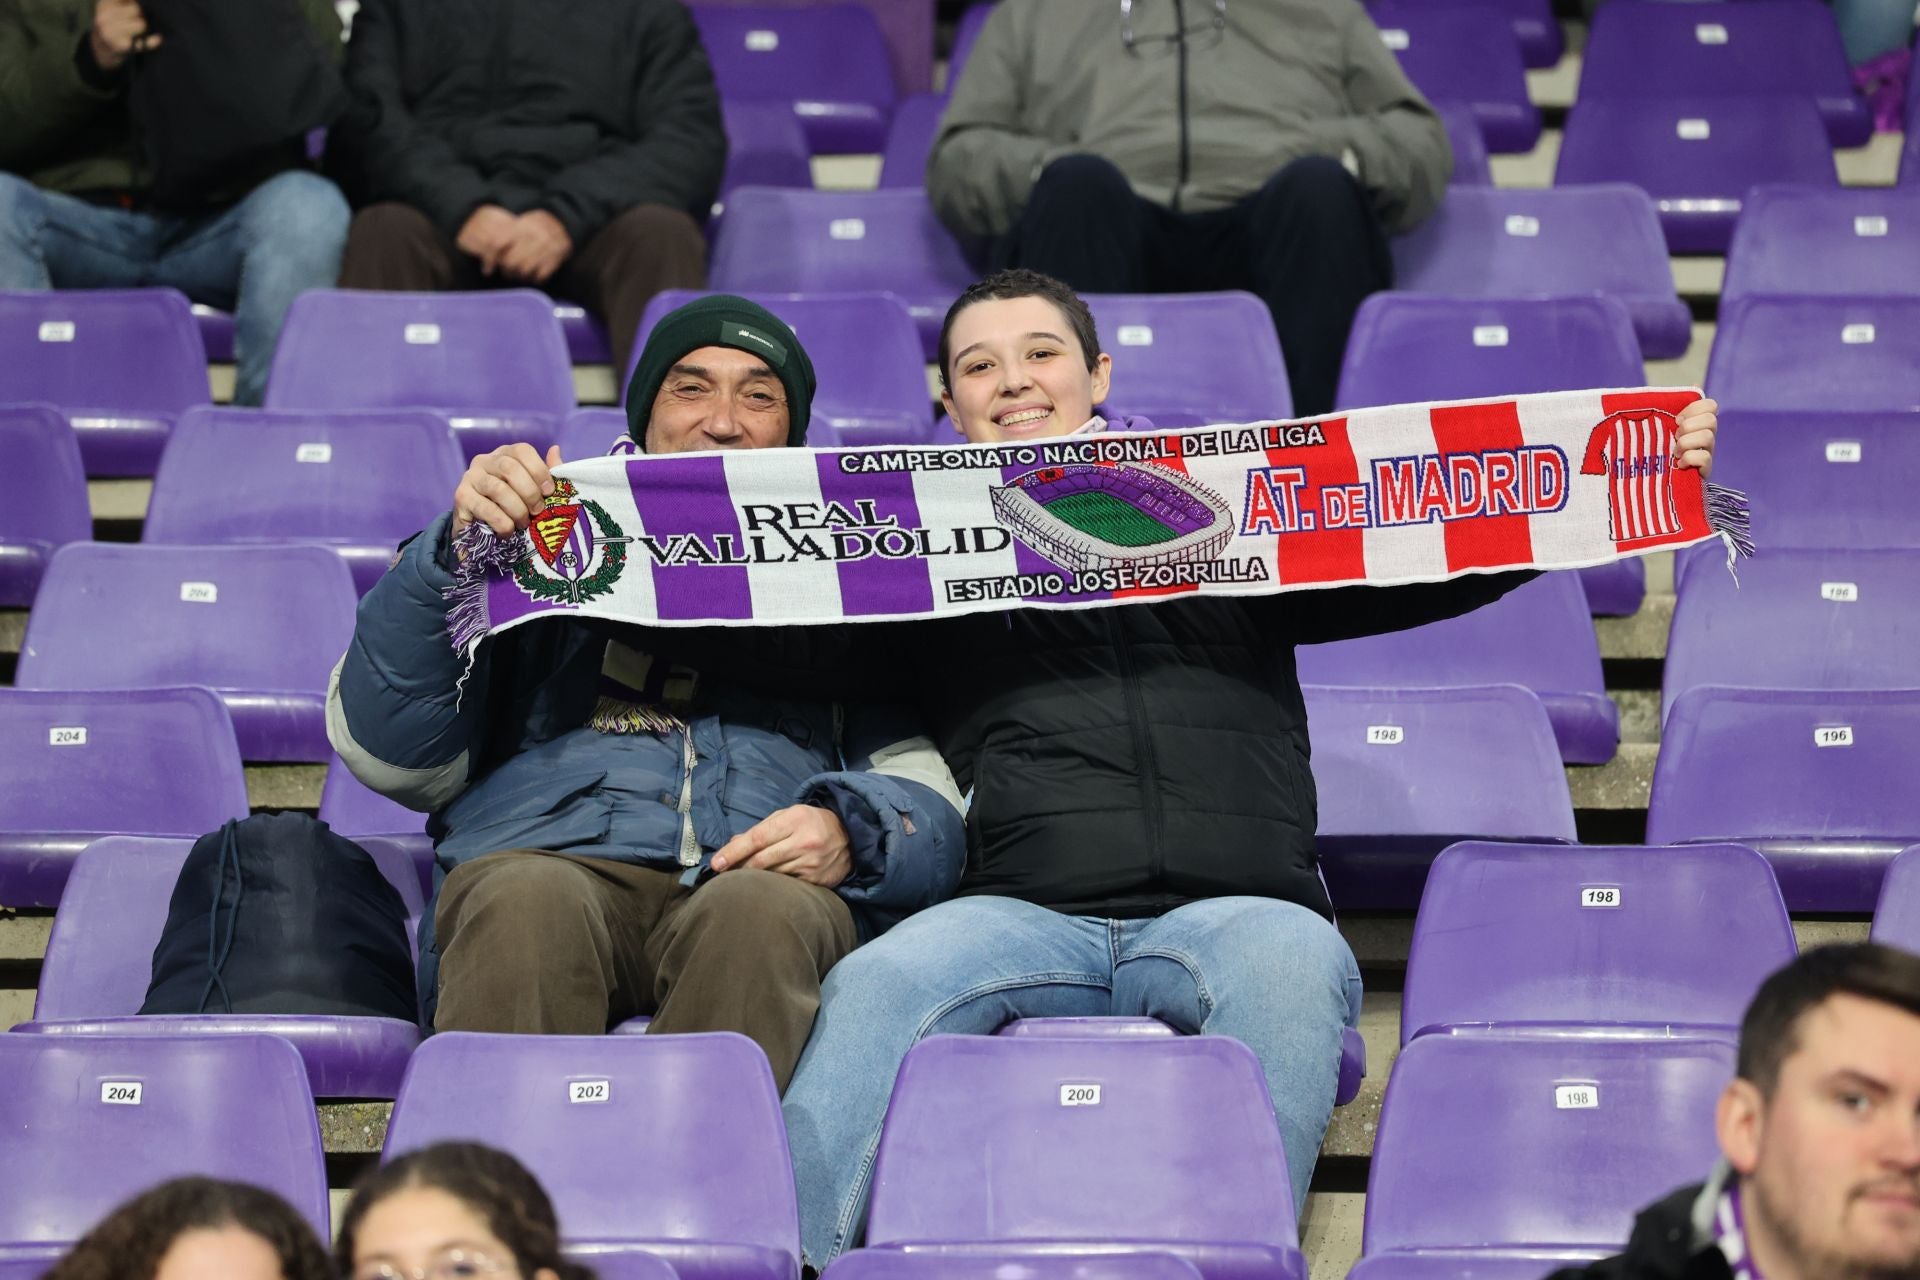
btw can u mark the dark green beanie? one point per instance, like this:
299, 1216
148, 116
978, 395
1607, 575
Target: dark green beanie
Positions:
722, 320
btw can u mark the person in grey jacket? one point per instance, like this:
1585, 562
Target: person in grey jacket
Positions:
1147, 146
615, 834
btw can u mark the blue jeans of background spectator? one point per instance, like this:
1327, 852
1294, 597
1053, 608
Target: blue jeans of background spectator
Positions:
252, 258
1272, 974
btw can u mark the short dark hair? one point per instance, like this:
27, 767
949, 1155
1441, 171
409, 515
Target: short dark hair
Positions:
498, 1188
1769, 1033
1018, 282
129, 1243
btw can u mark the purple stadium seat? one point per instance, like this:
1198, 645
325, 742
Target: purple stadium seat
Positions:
591, 433
865, 351
122, 364
1468, 54
1353, 1050
87, 1124
916, 122
590, 1114
1517, 1264
884, 1264
1858, 242
100, 959
586, 337
1896, 919
83, 764
1819, 782
494, 361
987, 1145
908, 26
1783, 47
1910, 154
1696, 156
1539, 635
359, 483
965, 32
1817, 354
1593, 940
1495, 1144
261, 626
766, 147
829, 61
775, 241
216, 333
1841, 618
1495, 242
1403, 773
44, 459
1541, 41
1188, 359
1470, 165
356, 812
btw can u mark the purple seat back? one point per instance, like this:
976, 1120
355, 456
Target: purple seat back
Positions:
260, 625
1409, 347
719, 1197
44, 459
1831, 480
1910, 154
86, 763
1783, 47
1470, 165
494, 360
882, 1264
1577, 940
360, 483
120, 363
1820, 782
216, 332
1832, 619
776, 241
1543, 1142
984, 1144
908, 27
866, 356
766, 147
916, 123
585, 336
1817, 354
1539, 635
1465, 53
356, 811
233, 1107
965, 33
1534, 26
1187, 359
1495, 242
829, 61
592, 433
1455, 1264
1857, 241
1403, 773
1896, 919
1353, 1049
100, 953
1696, 156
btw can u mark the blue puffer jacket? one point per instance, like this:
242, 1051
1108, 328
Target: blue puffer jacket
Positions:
511, 763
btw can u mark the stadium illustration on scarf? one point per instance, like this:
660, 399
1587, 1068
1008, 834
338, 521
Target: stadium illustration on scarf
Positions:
1407, 493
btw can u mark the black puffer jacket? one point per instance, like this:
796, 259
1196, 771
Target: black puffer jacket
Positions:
1668, 1243
584, 108
1124, 761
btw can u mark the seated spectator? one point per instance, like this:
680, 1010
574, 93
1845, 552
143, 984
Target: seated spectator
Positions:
450, 1210
620, 832
75, 198
1141, 835
1819, 1137
583, 162
198, 1229
1267, 145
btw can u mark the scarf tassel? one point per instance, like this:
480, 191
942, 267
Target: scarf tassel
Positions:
615, 715
1730, 515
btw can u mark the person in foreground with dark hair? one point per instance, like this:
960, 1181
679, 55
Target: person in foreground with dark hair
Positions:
198, 1229
452, 1210
1820, 1134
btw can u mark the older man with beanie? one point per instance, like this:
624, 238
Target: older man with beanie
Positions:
618, 833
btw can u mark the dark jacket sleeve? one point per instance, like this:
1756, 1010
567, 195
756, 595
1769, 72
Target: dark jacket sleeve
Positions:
378, 151
677, 155
44, 97
1343, 613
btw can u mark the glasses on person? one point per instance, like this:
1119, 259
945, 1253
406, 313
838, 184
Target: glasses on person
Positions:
1204, 34
448, 1264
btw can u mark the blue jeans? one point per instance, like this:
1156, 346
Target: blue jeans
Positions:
1269, 973
252, 258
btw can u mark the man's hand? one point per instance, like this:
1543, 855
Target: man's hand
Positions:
1693, 447
537, 248
802, 841
119, 28
486, 234
504, 488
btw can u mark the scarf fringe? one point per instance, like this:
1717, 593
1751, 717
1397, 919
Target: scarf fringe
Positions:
1730, 515
478, 552
613, 715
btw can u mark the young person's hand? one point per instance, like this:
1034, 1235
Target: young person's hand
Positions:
1699, 425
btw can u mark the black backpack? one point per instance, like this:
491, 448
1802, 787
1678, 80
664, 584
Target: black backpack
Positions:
277, 914
229, 97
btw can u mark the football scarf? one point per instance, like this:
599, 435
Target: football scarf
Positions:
1407, 493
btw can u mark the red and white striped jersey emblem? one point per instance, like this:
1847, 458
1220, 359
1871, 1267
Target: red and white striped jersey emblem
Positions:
1635, 452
